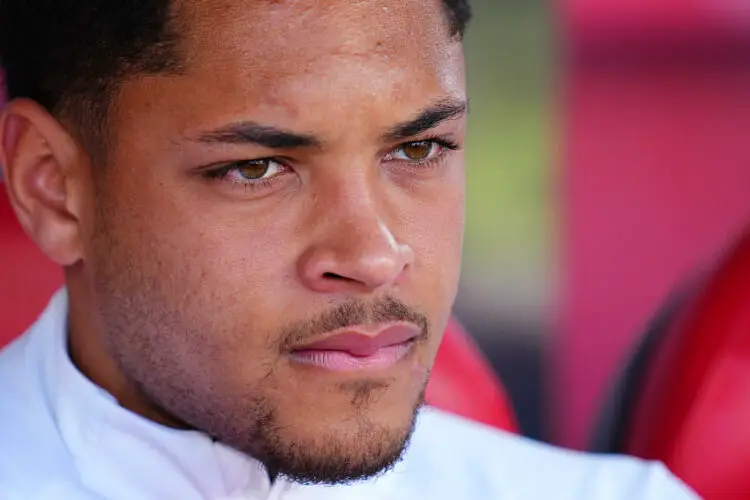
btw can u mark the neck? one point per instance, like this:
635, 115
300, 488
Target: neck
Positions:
88, 353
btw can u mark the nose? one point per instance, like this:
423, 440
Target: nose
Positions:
356, 255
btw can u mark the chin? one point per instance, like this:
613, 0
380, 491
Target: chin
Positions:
347, 453
359, 441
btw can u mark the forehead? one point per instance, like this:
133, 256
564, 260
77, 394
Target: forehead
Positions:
284, 58
308, 29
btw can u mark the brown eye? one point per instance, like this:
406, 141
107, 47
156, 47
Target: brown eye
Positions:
252, 170
418, 151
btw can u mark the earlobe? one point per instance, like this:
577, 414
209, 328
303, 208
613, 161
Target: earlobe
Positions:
40, 166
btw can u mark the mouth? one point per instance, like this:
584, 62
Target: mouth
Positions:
360, 349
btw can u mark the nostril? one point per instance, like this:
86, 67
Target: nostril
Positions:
334, 276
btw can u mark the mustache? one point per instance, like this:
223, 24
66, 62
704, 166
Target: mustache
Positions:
354, 313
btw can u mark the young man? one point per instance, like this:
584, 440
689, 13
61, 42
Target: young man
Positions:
258, 205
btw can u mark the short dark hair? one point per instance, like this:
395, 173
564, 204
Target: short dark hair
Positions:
69, 55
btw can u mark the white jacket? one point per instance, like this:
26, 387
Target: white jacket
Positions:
61, 437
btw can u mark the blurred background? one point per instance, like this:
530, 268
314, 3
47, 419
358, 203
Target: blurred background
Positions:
608, 164
507, 273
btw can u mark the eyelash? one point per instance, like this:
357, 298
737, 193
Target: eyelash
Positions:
443, 143
224, 170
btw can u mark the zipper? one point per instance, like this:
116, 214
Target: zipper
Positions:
278, 488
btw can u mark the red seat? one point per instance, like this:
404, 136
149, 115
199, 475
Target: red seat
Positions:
27, 277
691, 407
462, 382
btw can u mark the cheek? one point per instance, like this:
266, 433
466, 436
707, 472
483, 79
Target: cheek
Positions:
223, 250
227, 271
196, 312
436, 235
211, 272
439, 241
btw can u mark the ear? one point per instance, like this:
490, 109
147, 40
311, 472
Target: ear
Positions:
43, 167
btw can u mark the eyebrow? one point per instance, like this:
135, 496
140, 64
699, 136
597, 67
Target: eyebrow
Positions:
263, 135
248, 132
429, 118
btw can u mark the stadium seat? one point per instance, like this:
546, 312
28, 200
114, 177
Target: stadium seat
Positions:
685, 397
27, 277
462, 382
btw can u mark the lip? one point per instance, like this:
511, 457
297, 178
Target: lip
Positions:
360, 342
358, 349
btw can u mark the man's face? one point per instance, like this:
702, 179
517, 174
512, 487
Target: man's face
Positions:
298, 182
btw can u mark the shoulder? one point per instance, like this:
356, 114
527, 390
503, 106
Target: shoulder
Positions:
33, 461
470, 457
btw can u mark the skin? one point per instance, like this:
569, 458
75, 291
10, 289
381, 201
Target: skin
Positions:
187, 292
